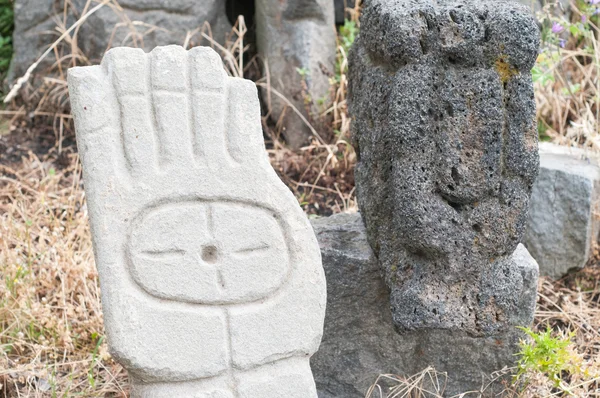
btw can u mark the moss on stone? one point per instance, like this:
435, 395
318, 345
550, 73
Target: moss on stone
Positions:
505, 70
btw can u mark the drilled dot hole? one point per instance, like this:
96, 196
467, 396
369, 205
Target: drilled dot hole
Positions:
210, 254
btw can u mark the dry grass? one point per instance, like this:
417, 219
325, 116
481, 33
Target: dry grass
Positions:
51, 339
568, 76
51, 332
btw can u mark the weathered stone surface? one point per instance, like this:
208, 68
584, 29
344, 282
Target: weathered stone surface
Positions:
360, 341
211, 275
563, 221
293, 36
164, 22
444, 128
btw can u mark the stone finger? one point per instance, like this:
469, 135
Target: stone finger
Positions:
172, 105
245, 129
128, 70
208, 82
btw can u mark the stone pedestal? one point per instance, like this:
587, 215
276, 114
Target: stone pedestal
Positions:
360, 341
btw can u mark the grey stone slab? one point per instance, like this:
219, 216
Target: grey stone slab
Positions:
563, 223
360, 341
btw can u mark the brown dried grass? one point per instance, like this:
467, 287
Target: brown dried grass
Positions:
52, 338
568, 101
51, 331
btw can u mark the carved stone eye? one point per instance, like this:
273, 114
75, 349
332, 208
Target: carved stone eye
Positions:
208, 252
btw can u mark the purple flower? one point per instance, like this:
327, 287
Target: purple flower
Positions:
557, 28
594, 1
584, 18
562, 43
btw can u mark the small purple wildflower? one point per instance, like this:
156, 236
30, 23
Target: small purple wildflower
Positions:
594, 2
562, 43
557, 28
584, 18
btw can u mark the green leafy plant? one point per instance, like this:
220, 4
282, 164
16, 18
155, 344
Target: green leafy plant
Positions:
548, 355
6, 30
303, 72
542, 129
347, 35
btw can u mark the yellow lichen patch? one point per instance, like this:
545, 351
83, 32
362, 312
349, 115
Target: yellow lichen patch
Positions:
505, 70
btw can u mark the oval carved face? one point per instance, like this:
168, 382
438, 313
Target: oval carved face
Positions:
208, 252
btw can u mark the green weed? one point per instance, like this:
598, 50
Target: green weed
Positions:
347, 35
91, 378
303, 72
548, 355
6, 30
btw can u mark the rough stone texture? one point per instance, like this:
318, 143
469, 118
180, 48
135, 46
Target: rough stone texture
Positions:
563, 224
360, 341
35, 22
445, 132
294, 35
341, 5
211, 276
444, 127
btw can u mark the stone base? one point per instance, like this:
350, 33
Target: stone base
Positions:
290, 378
563, 227
360, 341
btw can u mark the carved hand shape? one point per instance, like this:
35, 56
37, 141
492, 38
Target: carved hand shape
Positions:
209, 269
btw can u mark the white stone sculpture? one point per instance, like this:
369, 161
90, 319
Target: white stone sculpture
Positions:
211, 276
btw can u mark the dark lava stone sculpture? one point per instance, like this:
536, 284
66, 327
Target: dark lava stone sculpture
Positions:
444, 127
